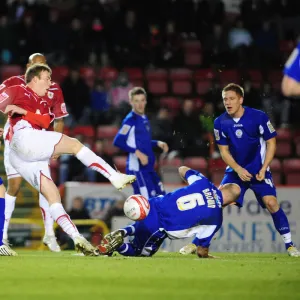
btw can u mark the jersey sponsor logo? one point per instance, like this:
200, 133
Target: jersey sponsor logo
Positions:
217, 134
239, 133
50, 95
270, 126
3, 97
63, 108
125, 129
2, 86
238, 125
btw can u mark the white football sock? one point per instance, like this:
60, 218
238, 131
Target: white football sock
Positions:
63, 220
10, 202
91, 160
48, 220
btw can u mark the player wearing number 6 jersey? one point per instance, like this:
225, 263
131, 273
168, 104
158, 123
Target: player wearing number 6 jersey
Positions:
246, 139
195, 210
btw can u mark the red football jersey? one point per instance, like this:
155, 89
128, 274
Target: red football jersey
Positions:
54, 96
26, 98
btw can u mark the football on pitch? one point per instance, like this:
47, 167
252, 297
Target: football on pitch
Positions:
136, 207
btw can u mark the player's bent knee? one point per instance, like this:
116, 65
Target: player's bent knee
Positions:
271, 203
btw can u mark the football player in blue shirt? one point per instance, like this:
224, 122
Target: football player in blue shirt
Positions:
134, 137
194, 210
247, 143
291, 80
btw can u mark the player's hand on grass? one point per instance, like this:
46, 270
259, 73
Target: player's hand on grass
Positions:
244, 174
142, 157
164, 146
13, 109
261, 175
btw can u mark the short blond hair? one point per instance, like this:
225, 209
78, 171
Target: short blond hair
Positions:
36, 70
136, 91
234, 87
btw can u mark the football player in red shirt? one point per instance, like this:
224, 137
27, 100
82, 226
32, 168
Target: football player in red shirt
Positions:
31, 147
55, 99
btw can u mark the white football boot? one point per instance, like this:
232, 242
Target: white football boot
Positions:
7, 251
85, 247
51, 242
188, 249
120, 180
293, 251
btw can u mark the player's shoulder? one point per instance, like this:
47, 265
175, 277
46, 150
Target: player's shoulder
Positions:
222, 118
253, 112
130, 118
14, 80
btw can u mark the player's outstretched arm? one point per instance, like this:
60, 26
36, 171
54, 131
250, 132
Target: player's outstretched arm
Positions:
290, 87
182, 172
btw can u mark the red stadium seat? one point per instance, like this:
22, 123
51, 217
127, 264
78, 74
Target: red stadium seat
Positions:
192, 59
120, 162
59, 73
171, 102
109, 148
86, 131
284, 134
204, 74
197, 163
181, 74
228, 76
108, 74
169, 170
137, 82
255, 75
275, 76
291, 169
134, 73
216, 169
276, 170
192, 46
158, 74
283, 149
202, 87
199, 103
87, 72
107, 131
9, 71
181, 88
297, 145
157, 87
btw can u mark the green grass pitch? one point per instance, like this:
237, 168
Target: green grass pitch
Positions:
44, 275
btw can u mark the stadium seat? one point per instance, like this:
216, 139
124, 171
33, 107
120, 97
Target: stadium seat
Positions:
255, 75
120, 162
86, 131
297, 145
169, 170
59, 73
191, 46
291, 169
157, 87
108, 74
276, 170
89, 75
284, 134
107, 131
158, 74
137, 82
228, 76
199, 103
134, 73
181, 87
275, 76
192, 59
171, 102
9, 71
181, 74
109, 148
216, 169
197, 163
202, 87
204, 74
283, 149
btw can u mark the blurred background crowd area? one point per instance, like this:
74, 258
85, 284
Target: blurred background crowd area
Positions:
182, 52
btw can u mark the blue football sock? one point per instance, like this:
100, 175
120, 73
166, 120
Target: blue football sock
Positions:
127, 250
282, 226
129, 230
2, 219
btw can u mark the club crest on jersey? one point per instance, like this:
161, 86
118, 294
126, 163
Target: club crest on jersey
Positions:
239, 133
3, 97
50, 95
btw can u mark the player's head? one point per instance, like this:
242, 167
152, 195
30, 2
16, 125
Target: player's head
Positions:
230, 193
233, 97
38, 78
36, 58
138, 100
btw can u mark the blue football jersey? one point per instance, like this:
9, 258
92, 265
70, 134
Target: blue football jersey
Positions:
135, 134
292, 65
246, 137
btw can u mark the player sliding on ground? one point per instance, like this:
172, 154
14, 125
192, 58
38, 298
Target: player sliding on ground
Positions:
247, 143
31, 147
194, 210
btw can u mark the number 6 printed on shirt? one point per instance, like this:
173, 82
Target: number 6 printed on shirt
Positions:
190, 201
